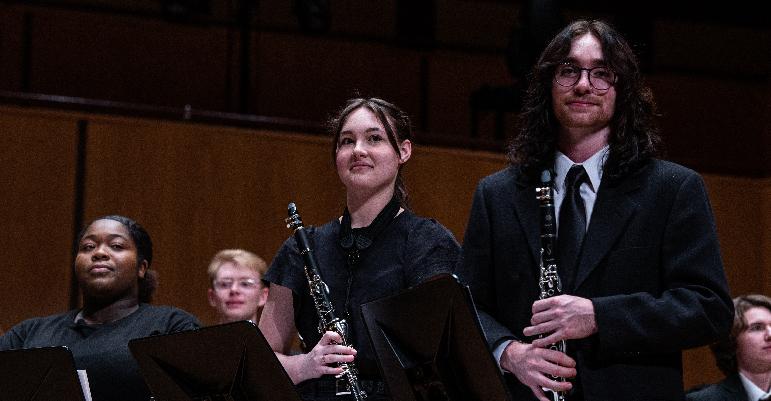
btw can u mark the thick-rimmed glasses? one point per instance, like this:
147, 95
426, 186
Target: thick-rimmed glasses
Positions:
600, 78
244, 284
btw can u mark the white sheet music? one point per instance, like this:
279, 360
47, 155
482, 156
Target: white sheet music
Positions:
83, 376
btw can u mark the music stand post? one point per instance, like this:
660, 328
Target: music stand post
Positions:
39, 374
430, 345
228, 362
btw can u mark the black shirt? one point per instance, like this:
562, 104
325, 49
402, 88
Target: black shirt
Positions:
407, 252
102, 350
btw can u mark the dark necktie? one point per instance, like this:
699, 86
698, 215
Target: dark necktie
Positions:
572, 227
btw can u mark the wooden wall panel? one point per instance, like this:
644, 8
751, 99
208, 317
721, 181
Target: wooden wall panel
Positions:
131, 59
298, 77
441, 183
453, 77
37, 183
741, 207
200, 188
11, 48
714, 124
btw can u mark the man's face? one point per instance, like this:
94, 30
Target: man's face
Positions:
237, 293
753, 344
582, 109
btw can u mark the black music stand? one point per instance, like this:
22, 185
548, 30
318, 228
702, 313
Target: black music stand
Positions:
39, 374
430, 345
228, 362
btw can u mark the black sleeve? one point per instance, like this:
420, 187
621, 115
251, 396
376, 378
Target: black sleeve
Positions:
431, 250
286, 269
695, 308
13, 338
476, 268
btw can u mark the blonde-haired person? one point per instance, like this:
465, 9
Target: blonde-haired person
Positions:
236, 289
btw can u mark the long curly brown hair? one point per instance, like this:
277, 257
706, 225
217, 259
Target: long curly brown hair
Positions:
634, 136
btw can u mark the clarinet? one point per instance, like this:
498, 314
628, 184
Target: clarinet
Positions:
328, 321
549, 281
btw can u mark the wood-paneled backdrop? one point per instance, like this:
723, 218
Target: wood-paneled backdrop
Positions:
201, 188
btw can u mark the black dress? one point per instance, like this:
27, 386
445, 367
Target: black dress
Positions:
407, 252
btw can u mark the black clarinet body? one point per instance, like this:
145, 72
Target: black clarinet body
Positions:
549, 282
328, 320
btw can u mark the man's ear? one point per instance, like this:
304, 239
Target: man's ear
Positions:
263, 296
212, 299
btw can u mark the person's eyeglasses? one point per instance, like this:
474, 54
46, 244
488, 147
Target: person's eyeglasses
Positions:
245, 284
600, 78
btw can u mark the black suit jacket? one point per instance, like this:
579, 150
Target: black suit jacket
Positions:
730, 389
650, 264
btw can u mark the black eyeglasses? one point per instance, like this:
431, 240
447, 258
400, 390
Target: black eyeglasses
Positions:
600, 78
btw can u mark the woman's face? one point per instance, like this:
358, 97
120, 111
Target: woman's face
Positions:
366, 161
106, 264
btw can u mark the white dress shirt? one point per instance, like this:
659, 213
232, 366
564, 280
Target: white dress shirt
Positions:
588, 190
754, 393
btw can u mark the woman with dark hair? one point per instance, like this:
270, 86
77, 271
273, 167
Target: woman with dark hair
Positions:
112, 267
378, 247
635, 267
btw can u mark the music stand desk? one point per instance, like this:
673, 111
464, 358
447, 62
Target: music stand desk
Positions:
228, 362
39, 374
430, 345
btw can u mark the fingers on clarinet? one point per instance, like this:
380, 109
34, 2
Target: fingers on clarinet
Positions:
341, 349
546, 341
539, 393
333, 337
560, 371
561, 386
563, 359
332, 370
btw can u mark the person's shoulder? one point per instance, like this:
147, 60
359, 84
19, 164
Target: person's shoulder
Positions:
44, 321
35, 329
506, 175
709, 392
721, 391
329, 228
667, 167
669, 170
168, 312
420, 224
661, 175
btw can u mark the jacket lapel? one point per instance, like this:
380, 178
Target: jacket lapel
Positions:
733, 385
526, 208
612, 209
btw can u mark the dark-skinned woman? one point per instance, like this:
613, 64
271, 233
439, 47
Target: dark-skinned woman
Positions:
112, 268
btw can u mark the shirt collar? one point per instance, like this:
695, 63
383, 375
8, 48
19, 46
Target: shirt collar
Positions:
754, 392
592, 165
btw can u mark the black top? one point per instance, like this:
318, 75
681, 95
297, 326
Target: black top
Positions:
408, 251
102, 350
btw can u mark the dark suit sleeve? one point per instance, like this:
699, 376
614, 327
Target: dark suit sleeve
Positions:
476, 267
13, 338
693, 307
